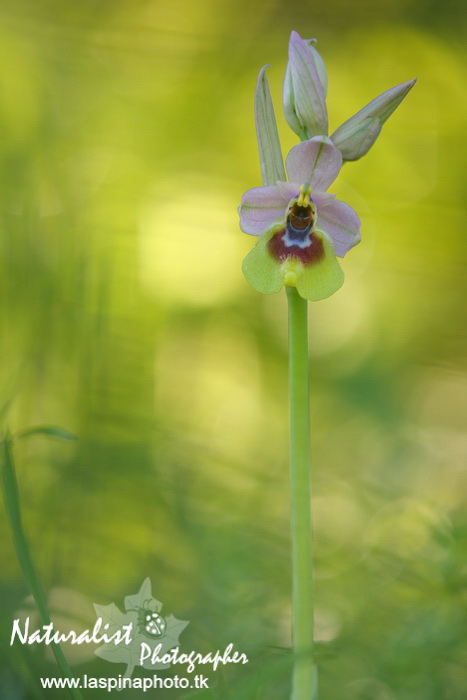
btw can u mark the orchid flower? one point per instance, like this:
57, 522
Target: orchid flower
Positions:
302, 227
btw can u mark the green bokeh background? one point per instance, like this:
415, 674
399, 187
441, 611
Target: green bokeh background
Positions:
127, 140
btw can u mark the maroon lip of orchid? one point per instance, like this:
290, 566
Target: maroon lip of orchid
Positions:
298, 238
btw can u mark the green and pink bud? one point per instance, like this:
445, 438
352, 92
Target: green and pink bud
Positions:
305, 89
356, 136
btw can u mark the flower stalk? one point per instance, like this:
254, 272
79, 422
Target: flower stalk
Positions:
304, 679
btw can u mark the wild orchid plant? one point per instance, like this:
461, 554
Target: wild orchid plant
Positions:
302, 230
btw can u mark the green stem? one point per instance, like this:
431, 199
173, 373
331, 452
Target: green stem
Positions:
13, 509
304, 681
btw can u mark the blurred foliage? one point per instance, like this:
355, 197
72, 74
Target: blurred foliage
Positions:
127, 141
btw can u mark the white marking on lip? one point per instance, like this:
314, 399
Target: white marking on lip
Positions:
289, 242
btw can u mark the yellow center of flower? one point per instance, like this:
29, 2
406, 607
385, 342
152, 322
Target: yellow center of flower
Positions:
304, 196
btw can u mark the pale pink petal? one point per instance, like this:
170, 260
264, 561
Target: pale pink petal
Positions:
260, 208
289, 190
322, 199
316, 162
339, 221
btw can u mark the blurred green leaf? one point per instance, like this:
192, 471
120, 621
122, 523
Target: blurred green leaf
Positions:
48, 430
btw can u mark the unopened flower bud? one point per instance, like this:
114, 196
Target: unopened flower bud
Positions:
305, 88
356, 136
